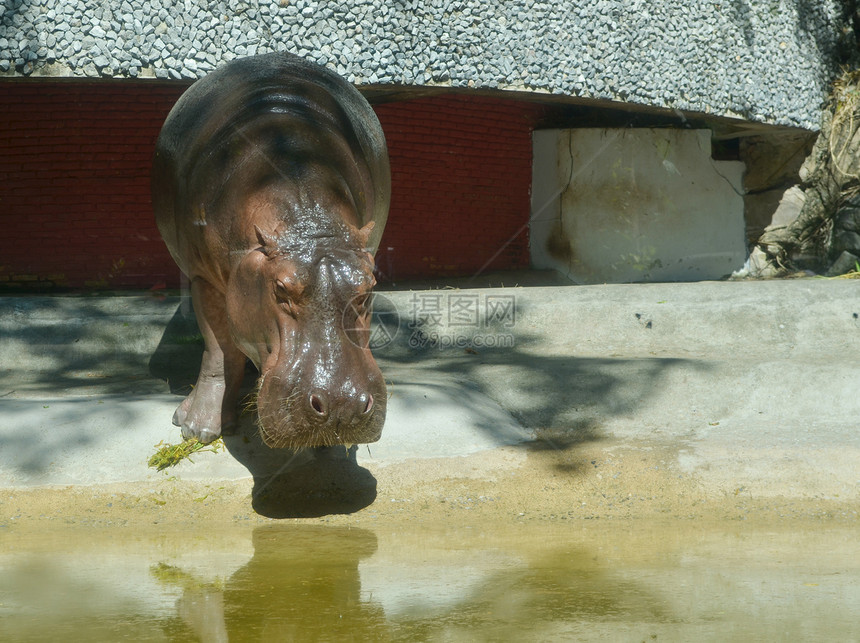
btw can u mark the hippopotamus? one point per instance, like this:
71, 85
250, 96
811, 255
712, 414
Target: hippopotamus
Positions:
271, 186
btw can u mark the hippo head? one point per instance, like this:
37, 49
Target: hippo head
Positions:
298, 306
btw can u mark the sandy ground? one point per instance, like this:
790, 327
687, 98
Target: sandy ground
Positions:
501, 488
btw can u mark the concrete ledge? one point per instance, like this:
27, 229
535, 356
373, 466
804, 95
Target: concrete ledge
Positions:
749, 385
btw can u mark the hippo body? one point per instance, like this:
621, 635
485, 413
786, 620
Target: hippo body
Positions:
271, 187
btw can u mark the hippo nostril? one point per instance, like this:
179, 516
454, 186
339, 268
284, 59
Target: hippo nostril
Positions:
369, 404
317, 404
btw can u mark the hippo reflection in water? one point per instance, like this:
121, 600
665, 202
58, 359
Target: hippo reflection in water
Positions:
271, 187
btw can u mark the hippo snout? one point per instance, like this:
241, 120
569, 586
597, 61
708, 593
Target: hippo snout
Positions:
356, 406
347, 412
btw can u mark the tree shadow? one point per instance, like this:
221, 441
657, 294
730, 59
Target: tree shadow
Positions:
80, 344
580, 433
562, 398
35, 454
813, 22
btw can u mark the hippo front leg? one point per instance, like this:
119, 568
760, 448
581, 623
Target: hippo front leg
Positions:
210, 408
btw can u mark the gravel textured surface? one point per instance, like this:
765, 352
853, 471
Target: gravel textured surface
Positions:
764, 60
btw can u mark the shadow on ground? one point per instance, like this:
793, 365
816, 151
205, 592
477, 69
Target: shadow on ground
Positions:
176, 359
561, 398
72, 345
301, 484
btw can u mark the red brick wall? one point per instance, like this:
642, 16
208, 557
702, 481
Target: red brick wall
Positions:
74, 185
461, 176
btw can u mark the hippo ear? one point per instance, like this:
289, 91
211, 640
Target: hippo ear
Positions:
268, 243
364, 233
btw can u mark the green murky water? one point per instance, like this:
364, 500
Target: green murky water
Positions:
535, 582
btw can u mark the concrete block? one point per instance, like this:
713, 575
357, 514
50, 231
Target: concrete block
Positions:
622, 205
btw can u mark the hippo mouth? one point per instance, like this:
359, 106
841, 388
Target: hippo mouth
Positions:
292, 436
303, 419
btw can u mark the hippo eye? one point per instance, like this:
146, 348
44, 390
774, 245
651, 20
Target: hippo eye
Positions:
362, 305
282, 295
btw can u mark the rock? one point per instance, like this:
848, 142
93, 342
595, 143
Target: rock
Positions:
788, 209
845, 240
848, 216
845, 263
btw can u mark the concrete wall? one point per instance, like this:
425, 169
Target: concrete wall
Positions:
624, 205
764, 60
461, 173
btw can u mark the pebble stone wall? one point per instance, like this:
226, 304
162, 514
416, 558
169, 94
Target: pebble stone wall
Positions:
765, 60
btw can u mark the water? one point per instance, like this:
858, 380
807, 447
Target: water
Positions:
617, 581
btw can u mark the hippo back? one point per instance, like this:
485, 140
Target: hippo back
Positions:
256, 120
